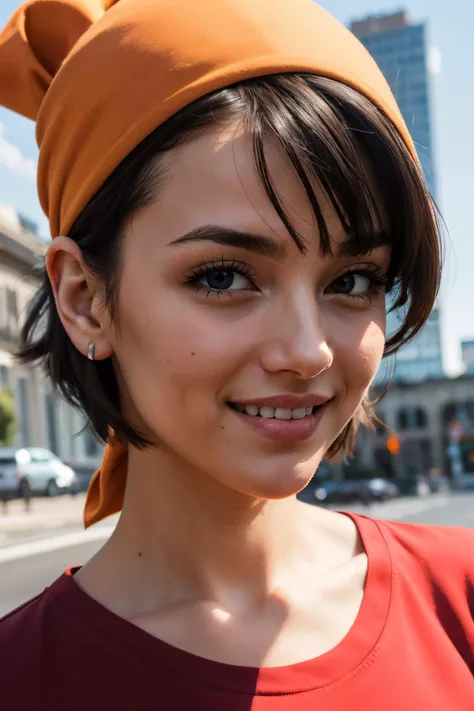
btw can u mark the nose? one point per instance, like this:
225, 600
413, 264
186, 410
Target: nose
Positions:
297, 343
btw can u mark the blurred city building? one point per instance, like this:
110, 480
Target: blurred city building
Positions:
420, 359
400, 48
467, 349
434, 423
44, 419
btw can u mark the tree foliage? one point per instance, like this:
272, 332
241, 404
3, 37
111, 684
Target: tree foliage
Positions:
7, 417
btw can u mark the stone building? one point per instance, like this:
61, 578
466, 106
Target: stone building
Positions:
434, 422
44, 419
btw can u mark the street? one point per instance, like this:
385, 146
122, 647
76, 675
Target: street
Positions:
36, 548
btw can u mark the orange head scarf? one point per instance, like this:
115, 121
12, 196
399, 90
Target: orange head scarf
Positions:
99, 75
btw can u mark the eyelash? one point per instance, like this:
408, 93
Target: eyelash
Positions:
373, 272
231, 265
378, 280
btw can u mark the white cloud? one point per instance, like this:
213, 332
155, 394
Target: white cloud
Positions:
13, 159
435, 60
9, 214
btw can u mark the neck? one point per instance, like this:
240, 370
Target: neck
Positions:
182, 536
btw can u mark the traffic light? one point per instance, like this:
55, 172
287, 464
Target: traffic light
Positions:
393, 445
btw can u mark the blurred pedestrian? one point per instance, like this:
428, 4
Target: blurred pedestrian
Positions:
4, 498
231, 191
25, 493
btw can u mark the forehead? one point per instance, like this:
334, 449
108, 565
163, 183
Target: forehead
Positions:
214, 178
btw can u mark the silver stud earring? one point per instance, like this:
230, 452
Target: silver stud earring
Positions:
90, 351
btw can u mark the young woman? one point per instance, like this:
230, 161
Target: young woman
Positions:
232, 192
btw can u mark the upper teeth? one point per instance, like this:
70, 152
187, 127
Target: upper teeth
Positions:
279, 413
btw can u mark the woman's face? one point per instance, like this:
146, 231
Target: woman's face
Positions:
243, 357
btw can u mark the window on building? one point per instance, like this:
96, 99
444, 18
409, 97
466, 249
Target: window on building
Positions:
421, 417
12, 305
402, 420
411, 418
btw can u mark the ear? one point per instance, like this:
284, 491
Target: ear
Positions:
80, 298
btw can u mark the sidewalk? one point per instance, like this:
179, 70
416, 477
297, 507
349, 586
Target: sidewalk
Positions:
45, 518
43, 511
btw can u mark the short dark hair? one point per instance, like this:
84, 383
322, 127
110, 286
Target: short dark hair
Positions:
331, 134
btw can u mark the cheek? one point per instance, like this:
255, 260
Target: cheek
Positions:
171, 355
358, 352
371, 348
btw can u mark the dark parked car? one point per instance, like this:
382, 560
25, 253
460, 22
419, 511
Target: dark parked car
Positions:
352, 491
381, 489
331, 492
414, 485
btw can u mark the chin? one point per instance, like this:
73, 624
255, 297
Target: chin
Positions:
278, 482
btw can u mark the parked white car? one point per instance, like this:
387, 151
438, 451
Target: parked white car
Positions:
35, 470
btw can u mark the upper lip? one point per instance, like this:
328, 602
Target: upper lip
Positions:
289, 401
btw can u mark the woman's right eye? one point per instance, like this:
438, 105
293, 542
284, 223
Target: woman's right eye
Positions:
222, 279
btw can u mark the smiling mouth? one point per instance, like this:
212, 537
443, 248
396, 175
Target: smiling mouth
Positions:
276, 413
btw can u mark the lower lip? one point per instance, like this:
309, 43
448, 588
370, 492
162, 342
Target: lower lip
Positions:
284, 430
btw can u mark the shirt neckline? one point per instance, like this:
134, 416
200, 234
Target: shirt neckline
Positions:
358, 648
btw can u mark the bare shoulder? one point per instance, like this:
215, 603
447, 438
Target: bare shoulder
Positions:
339, 532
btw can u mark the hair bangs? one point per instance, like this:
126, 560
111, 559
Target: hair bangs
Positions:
328, 158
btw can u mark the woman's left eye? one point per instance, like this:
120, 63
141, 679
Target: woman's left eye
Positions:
221, 279
351, 284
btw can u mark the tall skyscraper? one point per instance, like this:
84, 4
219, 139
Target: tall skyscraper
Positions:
400, 48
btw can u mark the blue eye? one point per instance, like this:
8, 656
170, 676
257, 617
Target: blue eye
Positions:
223, 279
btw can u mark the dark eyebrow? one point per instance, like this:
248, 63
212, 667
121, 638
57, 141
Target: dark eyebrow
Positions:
259, 244
360, 246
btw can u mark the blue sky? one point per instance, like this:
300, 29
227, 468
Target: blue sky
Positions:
451, 25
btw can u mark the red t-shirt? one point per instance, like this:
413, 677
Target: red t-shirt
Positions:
411, 647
